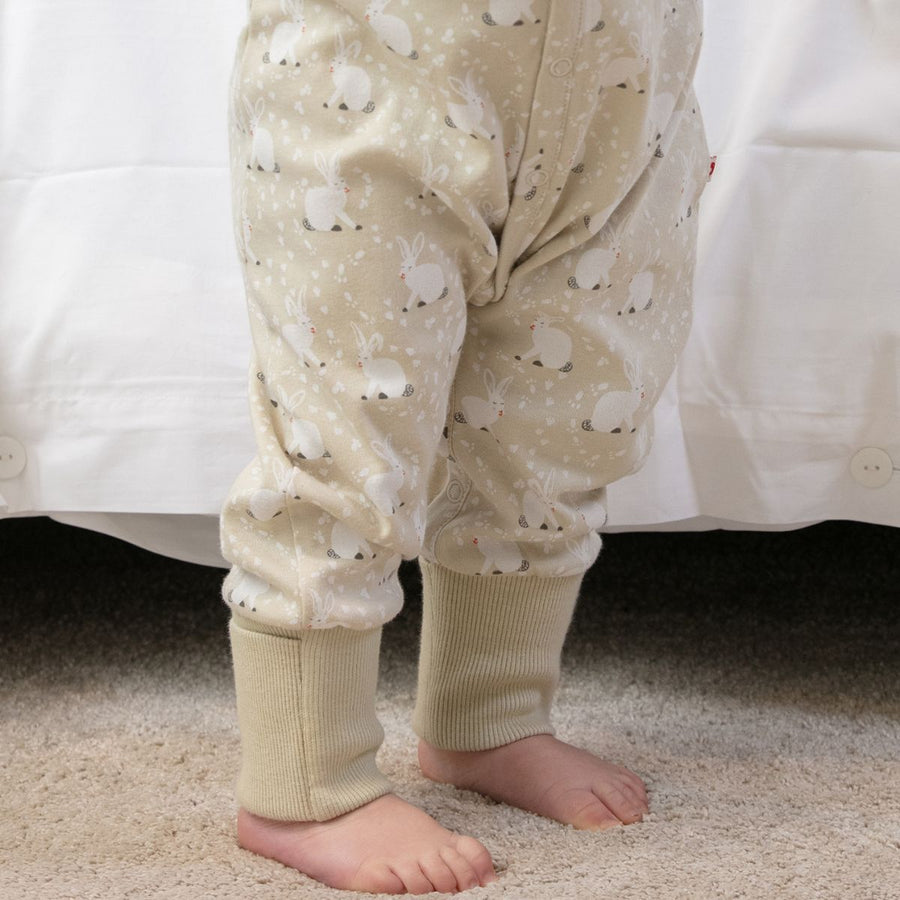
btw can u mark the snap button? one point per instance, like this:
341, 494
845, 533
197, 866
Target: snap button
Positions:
872, 467
560, 67
12, 457
538, 177
454, 491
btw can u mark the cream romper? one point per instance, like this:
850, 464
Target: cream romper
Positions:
468, 235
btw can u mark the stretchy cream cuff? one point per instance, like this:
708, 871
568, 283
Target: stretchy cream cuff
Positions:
490, 656
306, 711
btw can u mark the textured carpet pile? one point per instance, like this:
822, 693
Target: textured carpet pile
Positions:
751, 679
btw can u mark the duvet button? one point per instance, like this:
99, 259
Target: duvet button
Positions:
12, 457
454, 491
872, 467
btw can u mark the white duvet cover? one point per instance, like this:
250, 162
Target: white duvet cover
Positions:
123, 336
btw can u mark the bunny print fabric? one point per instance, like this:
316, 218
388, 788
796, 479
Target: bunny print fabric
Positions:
468, 236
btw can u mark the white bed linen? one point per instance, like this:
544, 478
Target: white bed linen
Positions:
123, 337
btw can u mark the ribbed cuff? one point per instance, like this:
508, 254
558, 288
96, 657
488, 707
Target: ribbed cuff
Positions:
306, 712
490, 656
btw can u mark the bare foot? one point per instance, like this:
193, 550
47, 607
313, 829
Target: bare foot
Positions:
386, 846
544, 776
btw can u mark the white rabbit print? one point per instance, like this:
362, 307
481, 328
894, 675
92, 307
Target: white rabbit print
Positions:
325, 205
594, 265
615, 410
322, 608
468, 116
483, 413
623, 71
248, 590
500, 557
392, 31
509, 12
432, 176
265, 504
592, 19
352, 84
346, 543
539, 504
303, 438
300, 333
640, 287
385, 377
383, 488
551, 346
426, 282
286, 36
262, 147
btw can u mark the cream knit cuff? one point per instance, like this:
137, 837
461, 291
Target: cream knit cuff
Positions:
490, 656
306, 711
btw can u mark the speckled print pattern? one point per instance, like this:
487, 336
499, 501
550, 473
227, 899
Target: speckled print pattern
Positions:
468, 235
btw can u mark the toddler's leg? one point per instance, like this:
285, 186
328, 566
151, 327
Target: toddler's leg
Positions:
356, 280
306, 709
572, 359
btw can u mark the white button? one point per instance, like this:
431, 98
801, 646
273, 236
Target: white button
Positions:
561, 67
537, 177
12, 457
872, 467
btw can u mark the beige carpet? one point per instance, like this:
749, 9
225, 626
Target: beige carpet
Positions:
768, 732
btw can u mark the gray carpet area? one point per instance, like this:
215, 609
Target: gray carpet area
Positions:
752, 679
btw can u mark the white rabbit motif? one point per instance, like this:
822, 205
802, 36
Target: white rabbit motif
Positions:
386, 379
500, 558
391, 30
509, 12
640, 287
352, 83
592, 20
383, 487
322, 609
617, 408
539, 504
433, 176
592, 269
552, 347
468, 115
305, 439
283, 48
248, 589
324, 205
266, 504
426, 283
624, 70
480, 413
300, 333
346, 543
262, 148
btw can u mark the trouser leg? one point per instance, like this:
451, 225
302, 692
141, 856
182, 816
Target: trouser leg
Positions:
552, 402
362, 238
